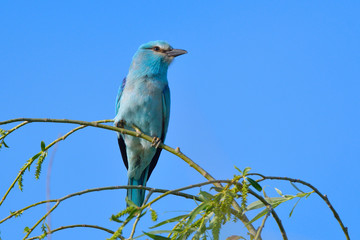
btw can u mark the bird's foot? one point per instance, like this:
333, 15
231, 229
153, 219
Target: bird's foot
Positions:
156, 142
137, 130
121, 124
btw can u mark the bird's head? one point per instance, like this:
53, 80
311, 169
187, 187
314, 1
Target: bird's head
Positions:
154, 57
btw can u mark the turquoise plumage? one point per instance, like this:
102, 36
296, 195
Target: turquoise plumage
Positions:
143, 102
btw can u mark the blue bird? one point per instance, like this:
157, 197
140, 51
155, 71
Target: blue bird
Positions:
143, 104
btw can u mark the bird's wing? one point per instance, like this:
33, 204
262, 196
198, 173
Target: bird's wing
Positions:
120, 138
166, 111
121, 89
165, 124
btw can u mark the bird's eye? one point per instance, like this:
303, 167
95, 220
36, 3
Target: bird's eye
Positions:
156, 48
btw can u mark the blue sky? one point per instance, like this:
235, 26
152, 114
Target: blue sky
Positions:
273, 85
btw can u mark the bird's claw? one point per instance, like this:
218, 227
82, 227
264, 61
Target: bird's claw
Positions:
156, 142
121, 124
137, 130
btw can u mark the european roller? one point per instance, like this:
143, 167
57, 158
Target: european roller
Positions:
143, 104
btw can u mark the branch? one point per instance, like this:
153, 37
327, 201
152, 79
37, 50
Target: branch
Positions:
323, 196
41, 219
158, 190
13, 129
75, 226
164, 191
258, 233
176, 152
273, 213
32, 160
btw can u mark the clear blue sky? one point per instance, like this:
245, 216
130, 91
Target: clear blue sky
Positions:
273, 85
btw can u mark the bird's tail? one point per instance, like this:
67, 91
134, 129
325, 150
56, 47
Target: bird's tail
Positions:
137, 195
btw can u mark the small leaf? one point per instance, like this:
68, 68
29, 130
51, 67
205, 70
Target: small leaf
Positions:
259, 215
130, 203
195, 212
254, 183
295, 187
246, 170
154, 215
35, 156
238, 169
5, 145
42, 146
44, 228
170, 220
154, 232
218, 189
234, 237
115, 219
205, 196
279, 192
156, 237
26, 229
301, 195
292, 210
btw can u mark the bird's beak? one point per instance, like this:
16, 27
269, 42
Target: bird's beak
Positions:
176, 52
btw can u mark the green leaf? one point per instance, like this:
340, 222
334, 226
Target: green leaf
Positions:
302, 195
154, 232
42, 146
5, 145
194, 213
115, 219
174, 219
36, 156
205, 196
274, 201
308, 194
156, 237
292, 210
235, 237
295, 187
26, 229
279, 192
255, 205
218, 189
254, 183
130, 203
154, 215
246, 170
238, 169
44, 228
259, 215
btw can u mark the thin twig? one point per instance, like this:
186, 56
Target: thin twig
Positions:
323, 196
48, 189
20, 211
158, 190
273, 213
13, 129
40, 220
164, 191
46, 148
176, 152
75, 226
258, 233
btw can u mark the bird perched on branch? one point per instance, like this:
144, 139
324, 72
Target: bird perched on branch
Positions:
143, 104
